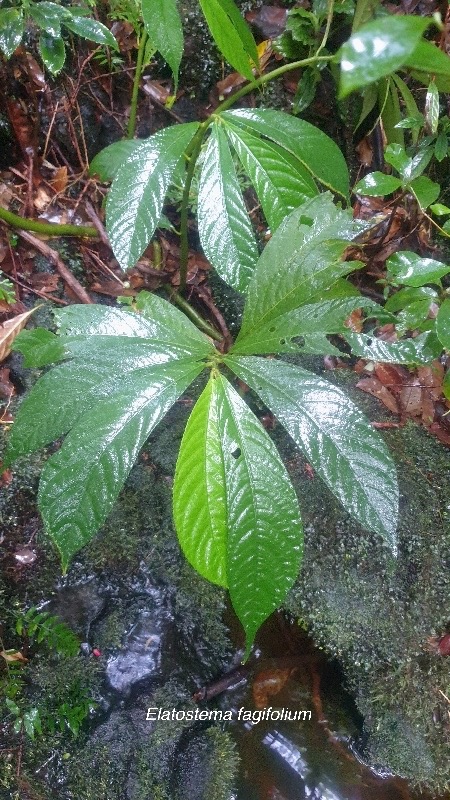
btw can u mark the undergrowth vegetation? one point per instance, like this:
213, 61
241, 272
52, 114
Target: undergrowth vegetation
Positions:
118, 371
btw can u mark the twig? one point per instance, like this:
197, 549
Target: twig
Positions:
97, 223
55, 258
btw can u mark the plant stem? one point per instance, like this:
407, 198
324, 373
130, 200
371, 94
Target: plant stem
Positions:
330, 11
269, 76
192, 314
48, 228
131, 129
192, 153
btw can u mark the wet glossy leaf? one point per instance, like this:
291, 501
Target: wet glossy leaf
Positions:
52, 52
281, 182
108, 161
313, 148
443, 324
199, 491
163, 24
377, 49
432, 108
425, 191
324, 318
302, 258
420, 350
377, 184
48, 16
224, 226
410, 269
90, 29
336, 438
263, 526
80, 483
231, 35
137, 193
11, 30
101, 343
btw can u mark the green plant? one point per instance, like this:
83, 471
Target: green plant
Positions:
119, 371
48, 18
41, 628
7, 292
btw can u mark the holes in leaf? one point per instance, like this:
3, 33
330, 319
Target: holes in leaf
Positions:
236, 452
306, 221
282, 341
299, 341
272, 329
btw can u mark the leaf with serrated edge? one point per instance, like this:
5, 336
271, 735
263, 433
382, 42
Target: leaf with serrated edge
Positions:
224, 226
231, 34
280, 183
420, 350
163, 24
80, 483
106, 345
10, 329
334, 435
11, 30
303, 257
313, 148
137, 194
199, 493
325, 318
264, 527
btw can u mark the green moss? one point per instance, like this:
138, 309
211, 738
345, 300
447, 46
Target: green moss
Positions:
377, 614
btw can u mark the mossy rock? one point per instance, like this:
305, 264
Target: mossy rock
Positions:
380, 615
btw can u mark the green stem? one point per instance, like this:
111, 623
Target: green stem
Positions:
192, 153
131, 129
48, 228
330, 11
194, 316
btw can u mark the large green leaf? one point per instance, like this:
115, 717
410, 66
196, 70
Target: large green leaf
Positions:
199, 491
224, 226
11, 30
420, 350
313, 148
163, 24
303, 258
231, 35
377, 49
281, 182
105, 346
336, 438
377, 184
261, 535
316, 318
48, 16
80, 483
137, 193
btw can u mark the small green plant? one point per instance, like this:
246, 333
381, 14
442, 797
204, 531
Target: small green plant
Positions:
49, 18
118, 372
7, 292
41, 628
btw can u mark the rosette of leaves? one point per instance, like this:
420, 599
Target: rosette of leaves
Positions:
236, 513
49, 18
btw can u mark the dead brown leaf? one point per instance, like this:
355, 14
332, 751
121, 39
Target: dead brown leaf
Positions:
374, 387
10, 329
13, 655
